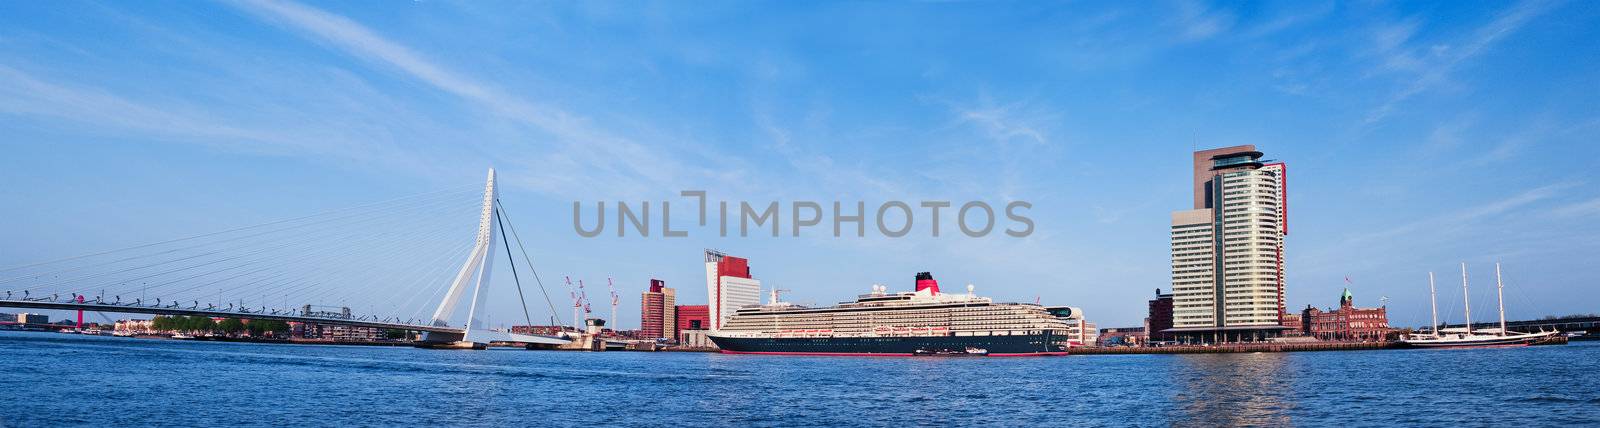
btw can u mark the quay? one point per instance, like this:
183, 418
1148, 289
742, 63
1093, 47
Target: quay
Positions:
1258, 347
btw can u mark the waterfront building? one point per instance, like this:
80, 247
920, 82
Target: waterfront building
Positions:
1122, 336
1084, 333
658, 309
543, 330
1347, 323
1227, 252
335, 332
729, 286
1080, 332
1293, 325
693, 317
134, 327
695, 339
1159, 320
27, 318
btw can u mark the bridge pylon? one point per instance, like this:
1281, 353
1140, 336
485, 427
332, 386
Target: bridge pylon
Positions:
472, 283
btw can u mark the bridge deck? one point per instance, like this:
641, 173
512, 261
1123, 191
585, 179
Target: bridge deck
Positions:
213, 313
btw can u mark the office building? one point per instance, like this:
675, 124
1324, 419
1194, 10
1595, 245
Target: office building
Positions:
729, 286
1159, 319
1083, 333
658, 309
1227, 252
1347, 323
27, 318
693, 317
1122, 336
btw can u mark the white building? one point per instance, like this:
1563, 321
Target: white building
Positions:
131, 327
728, 286
1227, 253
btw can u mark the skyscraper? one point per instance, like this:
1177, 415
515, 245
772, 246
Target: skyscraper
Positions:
658, 308
728, 286
1227, 252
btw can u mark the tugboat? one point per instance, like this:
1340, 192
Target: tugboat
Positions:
1466, 337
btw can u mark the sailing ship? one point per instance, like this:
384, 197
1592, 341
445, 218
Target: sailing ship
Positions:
1466, 336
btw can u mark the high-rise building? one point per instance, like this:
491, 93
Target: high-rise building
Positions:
1227, 252
728, 286
693, 317
658, 309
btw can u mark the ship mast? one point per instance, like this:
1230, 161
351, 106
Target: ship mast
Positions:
1433, 303
1466, 297
1501, 291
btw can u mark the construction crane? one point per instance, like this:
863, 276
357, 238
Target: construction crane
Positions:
577, 304
583, 298
614, 300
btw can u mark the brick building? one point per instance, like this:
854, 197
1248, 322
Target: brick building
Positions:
1159, 319
658, 312
1347, 323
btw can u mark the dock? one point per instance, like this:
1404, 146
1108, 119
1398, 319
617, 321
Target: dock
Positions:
1259, 347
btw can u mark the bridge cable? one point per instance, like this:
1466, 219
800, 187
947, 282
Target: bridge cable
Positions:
158, 263
513, 261
379, 203
553, 313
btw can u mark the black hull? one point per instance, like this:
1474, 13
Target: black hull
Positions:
1036, 344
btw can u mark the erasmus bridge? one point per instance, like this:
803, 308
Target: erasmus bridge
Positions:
383, 258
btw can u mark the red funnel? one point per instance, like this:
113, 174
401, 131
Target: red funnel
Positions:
925, 281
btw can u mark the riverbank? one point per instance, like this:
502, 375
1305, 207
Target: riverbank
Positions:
1236, 348
1262, 347
275, 341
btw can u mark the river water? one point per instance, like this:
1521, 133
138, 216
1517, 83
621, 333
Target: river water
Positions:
53, 379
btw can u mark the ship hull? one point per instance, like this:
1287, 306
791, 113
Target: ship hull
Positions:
1019, 345
1517, 340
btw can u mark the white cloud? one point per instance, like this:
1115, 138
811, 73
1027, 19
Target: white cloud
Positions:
998, 122
1434, 67
585, 158
28, 94
1197, 22
1586, 208
1470, 215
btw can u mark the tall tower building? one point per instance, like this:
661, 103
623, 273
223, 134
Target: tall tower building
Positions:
728, 286
658, 308
1227, 252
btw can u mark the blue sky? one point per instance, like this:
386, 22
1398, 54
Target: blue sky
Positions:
1418, 135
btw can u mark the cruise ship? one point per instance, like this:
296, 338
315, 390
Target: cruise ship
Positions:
911, 323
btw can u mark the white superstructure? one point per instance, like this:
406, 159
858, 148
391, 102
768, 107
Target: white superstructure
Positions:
903, 314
